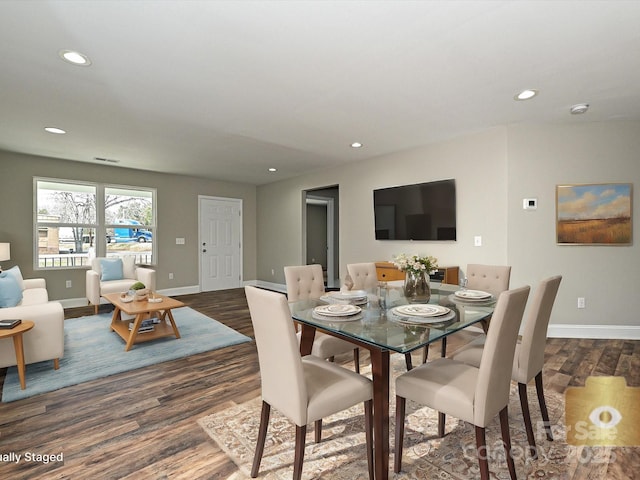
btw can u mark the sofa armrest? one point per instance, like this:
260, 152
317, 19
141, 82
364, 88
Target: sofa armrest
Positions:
44, 342
92, 286
146, 276
35, 283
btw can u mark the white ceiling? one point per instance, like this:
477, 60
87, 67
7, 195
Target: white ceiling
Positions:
226, 89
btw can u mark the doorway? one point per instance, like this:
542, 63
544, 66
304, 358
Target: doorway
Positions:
322, 232
220, 243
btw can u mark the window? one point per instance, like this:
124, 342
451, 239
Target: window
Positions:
75, 221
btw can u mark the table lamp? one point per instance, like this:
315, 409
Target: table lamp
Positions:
5, 252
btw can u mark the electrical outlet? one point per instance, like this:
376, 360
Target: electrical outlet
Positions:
581, 302
273, 272
68, 283
171, 276
477, 241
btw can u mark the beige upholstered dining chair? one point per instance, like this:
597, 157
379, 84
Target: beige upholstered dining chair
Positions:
493, 279
473, 394
304, 389
305, 282
528, 361
364, 275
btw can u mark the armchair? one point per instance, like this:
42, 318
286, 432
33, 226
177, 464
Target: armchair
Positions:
114, 275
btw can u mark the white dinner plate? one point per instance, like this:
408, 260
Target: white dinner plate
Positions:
334, 319
126, 299
337, 310
356, 297
422, 310
415, 320
472, 294
351, 294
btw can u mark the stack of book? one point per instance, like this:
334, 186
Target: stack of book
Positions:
146, 325
10, 323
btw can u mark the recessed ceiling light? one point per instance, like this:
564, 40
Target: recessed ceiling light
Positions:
526, 94
55, 130
579, 108
76, 58
356, 145
273, 169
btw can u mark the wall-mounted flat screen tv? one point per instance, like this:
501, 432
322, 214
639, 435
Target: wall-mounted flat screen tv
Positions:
423, 211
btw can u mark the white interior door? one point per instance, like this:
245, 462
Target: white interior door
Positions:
220, 243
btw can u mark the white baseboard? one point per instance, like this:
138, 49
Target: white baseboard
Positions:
188, 290
170, 292
277, 287
619, 332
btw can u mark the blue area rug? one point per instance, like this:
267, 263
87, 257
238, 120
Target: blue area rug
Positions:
93, 351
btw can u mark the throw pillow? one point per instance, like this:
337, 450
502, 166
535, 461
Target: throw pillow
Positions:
10, 290
15, 271
111, 269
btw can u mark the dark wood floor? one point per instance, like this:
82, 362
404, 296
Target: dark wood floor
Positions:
142, 424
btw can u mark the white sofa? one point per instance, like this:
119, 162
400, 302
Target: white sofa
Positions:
45, 341
96, 285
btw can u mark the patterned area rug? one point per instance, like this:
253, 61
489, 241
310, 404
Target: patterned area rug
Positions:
341, 455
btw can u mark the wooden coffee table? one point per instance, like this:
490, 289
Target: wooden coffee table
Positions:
16, 333
141, 311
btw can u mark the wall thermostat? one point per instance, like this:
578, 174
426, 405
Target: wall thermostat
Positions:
529, 203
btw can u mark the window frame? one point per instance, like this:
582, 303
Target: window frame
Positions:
100, 227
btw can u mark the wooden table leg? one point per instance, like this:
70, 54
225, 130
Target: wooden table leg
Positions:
173, 323
17, 344
134, 331
381, 374
306, 342
116, 317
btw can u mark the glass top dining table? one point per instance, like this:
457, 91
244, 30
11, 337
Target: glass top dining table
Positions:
385, 330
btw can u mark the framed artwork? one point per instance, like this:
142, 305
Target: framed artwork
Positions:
594, 214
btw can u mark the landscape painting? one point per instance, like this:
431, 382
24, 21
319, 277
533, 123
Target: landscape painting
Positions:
594, 214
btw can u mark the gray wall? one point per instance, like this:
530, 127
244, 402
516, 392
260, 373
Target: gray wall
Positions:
494, 170
177, 207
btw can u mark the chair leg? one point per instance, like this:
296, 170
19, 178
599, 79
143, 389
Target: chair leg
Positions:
356, 359
318, 430
368, 427
506, 441
262, 436
543, 406
441, 421
95, 309
400, 412
301, 433
408, 361
481, 452
524, 403
56, 363
425, 354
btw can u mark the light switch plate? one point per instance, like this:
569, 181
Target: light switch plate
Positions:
530, 203
179, 241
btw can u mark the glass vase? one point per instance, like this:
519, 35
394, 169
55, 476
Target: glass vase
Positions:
416, 287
